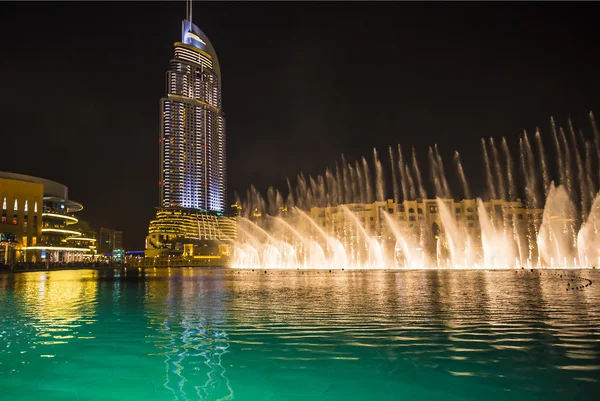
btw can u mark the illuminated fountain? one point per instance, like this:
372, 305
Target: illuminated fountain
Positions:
535, 213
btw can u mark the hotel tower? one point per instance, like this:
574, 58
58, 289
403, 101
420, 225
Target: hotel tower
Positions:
192, 181
192, 130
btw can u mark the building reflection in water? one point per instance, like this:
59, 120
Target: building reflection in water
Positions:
187, 312
203, 334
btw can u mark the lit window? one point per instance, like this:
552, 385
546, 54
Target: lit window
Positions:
15, 210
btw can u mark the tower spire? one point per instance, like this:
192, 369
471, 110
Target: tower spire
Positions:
188, 10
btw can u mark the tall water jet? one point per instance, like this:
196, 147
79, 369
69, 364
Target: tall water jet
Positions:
367, 178
314, 191
525, 170
323, 193
361, 182
355, 180
581, 179
279, 201
340, 185
379, 180
403, 178
301, 191
543, 165
271, 203
411, 183
420, 187
290, 198
394, 180
592, 189
441, 172
435, 175
488, 172
331, 193
530, 172
348, 188
461, 176
567, 161
510, 173
559, 156
502, 193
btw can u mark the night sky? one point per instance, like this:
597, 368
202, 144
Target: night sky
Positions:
302, 84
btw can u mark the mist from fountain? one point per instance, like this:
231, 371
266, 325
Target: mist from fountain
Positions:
533, 214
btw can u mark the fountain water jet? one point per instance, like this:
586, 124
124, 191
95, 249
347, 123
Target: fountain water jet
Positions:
342, 218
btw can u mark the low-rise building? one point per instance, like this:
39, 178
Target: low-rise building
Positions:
36, 223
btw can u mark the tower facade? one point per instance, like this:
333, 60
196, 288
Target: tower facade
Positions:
190, 221
192, 130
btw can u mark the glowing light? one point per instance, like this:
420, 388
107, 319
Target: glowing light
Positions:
81, 239
60, 230
55, 248
58, 216
195, 37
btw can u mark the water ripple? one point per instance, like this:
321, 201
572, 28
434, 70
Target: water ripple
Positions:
221, 335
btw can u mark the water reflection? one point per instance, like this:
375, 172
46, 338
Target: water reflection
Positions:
187, 312
56, 305
185, 334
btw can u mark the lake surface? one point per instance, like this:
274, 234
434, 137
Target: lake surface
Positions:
223, 334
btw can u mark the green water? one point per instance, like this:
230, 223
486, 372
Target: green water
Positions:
289, 335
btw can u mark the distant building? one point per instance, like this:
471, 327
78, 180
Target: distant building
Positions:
87, 237
36, 222
109, 240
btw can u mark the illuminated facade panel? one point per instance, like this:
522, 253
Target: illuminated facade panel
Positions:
176, 224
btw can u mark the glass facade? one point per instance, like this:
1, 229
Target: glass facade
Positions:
192, 137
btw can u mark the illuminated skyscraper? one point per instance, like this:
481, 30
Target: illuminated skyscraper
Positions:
192, 132
192, 153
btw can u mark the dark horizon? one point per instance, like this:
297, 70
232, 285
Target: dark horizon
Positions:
302, 84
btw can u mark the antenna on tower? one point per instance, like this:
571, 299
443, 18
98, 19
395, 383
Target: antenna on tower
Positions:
188, 10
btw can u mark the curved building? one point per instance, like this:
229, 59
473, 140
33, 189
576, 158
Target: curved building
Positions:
192, 183
37, 220
192, 131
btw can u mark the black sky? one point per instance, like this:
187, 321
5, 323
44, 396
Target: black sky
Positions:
302, 83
